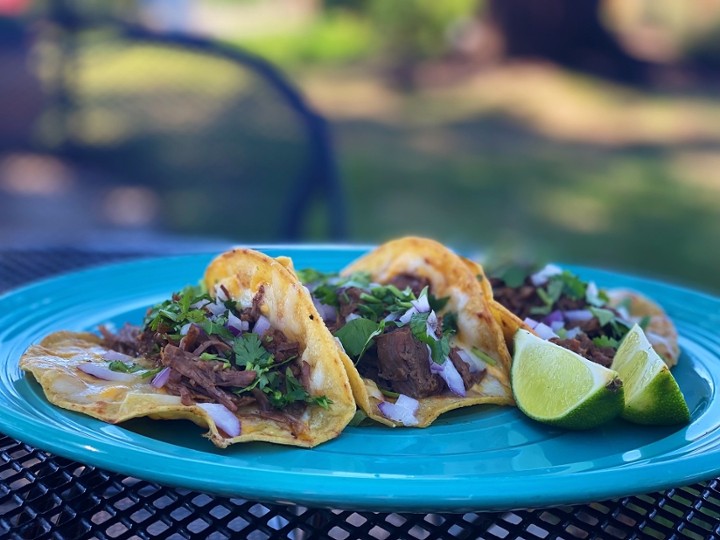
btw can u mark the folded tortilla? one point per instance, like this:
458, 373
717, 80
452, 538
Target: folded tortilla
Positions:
55, 361
449, 277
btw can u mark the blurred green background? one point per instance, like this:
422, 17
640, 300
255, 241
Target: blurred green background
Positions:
592, 139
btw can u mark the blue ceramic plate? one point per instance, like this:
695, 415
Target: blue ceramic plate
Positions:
482, 458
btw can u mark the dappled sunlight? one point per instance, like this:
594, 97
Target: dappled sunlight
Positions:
547, 100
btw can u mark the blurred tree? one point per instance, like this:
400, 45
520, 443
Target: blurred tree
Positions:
411, 31
567, 32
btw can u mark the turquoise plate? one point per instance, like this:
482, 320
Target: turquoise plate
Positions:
481, 458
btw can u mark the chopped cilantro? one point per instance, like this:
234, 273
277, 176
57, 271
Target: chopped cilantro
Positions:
122, 367
604, 316
606, 341
549, 296
437, 304
643, 323
439, 348
482, 355
356, 336
359, 418
449, 324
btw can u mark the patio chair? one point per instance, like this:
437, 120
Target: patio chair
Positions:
224, 142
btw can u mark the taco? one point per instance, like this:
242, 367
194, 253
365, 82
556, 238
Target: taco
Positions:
557, 305
250, 360
418, 333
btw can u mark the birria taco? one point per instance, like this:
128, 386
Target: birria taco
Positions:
419, 336
250, 361
559, 306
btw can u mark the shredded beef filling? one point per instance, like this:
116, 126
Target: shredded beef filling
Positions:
210, 381
396, 360
584, 346
523, 299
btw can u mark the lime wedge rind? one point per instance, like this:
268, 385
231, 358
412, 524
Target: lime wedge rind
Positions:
559, 387
652, 395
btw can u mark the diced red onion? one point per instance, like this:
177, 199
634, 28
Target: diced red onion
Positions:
411, 404
422, 304
432, 325
216, 309
236, 325
352, 317
200, 304
473, 362
220, 293
115, 356
394, 316
262, 325
223, 417
450, 375
185, 328
578, 315
541, 329
405, 317
398, 413
105, 373
555, 316
557, 325
541, 277
592, 294
572, 333
327, 313
162, 377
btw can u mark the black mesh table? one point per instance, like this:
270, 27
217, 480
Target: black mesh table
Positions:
46, 496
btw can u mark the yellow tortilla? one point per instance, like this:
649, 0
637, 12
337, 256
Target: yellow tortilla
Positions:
660, 330
449, 277
286, 303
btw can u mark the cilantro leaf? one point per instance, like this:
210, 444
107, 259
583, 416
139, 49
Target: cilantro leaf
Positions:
549, 295
439, 348
437, 304
482, 355
604, 316
606, 341
356, 335
249, 351
122, 367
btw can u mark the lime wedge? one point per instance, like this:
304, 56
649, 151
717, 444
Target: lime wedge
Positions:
556, 386
652, 395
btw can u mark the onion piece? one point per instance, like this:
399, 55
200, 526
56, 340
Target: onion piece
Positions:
398, 413
557, 325
200, 304
327, 313
578, 315
236, 325
222, 417
105, 373
262, 325
185, 328
541, 329
573, 333
220, 293
592, 295
450, 375
216, 309
115, 356
392, 317
555, 316
161, 377
474, 363
542, 276
411, 404
352, 317
405, 317
432, 325
422, 304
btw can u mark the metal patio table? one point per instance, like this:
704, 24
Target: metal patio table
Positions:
46, 496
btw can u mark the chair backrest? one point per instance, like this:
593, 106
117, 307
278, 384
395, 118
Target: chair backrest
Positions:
228, 143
